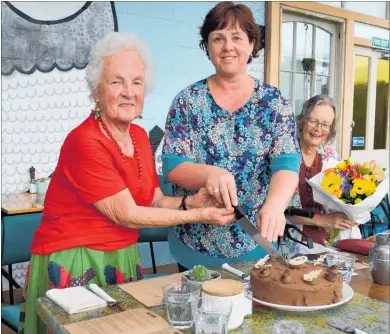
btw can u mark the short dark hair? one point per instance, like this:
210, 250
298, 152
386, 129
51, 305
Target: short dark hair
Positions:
226, 14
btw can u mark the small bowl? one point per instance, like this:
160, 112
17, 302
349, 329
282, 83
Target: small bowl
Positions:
214, 275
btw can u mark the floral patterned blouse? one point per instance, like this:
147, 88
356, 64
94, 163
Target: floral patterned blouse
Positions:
252, 143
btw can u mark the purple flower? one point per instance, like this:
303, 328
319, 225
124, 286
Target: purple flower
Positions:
345, 185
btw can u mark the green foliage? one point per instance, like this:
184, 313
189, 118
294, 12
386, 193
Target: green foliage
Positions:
199, 274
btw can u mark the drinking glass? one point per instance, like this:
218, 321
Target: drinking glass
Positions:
288, 327
179, 297
211, 317
344, 263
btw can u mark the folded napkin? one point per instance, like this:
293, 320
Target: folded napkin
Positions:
76, 299
100, 292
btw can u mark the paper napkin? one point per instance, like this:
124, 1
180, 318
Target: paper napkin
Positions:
75, 299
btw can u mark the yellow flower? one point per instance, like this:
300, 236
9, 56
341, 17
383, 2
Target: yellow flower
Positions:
358, 200
362, 187
341, 165
331, 183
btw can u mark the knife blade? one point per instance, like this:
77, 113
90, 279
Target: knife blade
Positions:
254, 233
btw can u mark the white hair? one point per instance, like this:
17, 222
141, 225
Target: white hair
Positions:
108, 46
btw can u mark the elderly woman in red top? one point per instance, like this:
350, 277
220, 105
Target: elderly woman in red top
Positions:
105, 186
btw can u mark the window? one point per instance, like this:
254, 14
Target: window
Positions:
374, 8
381, 104
307, 59
360, 101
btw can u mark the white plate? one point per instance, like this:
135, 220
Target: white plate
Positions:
347, 295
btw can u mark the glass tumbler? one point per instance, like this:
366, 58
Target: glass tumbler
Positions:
344, 263
179, 297
211, 317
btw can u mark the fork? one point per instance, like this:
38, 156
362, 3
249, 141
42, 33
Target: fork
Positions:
115, 306
341, 325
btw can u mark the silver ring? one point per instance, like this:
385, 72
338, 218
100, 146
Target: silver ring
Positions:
216, 190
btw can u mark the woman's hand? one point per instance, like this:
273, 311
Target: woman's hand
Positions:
271, 222
217, 216
336, 220
202, 199
221, 184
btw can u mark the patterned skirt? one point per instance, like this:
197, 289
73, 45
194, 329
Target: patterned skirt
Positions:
73, 267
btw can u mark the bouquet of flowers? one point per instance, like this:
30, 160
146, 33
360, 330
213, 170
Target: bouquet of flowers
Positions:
354, 189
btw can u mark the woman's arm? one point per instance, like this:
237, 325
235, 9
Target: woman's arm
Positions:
285, 157
200, 199
121, 209
198, 172
194, 176
271, 217
336, 220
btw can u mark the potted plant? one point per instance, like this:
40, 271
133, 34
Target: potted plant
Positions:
200, 274
309, 64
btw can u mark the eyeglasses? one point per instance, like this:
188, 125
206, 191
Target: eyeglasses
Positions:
313, 124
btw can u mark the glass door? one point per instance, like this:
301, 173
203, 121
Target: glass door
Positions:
308, 58
370, 132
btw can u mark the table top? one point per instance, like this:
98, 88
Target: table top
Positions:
20, 203
368, 314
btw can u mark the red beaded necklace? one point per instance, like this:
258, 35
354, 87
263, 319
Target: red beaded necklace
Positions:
137, 155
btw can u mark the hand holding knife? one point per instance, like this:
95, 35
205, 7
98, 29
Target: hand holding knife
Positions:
255, 234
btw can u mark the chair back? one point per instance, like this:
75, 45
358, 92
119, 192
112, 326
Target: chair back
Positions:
17, 233
157, 234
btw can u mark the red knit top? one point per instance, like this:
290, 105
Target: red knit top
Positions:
91, 168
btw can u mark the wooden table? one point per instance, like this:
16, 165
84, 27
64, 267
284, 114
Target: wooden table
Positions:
21, 203
368, 314
364, 284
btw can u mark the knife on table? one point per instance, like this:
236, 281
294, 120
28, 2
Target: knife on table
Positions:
254, 233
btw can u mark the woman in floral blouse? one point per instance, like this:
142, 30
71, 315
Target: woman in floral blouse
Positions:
316, 127
234, 135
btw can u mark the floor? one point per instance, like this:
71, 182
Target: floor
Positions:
164, 269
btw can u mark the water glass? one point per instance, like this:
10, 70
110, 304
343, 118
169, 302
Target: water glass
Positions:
344, 263
288, 327
211, 317
179, 297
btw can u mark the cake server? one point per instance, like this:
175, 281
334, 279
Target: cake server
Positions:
254, 233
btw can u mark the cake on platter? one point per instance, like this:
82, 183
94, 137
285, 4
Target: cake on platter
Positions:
302, 284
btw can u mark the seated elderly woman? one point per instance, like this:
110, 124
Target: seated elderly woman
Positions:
316, 130
105, 186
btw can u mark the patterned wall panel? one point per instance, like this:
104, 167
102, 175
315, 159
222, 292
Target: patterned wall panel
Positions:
38, 111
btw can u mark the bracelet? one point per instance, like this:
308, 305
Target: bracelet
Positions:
183, 202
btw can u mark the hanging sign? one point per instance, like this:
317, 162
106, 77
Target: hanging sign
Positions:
380, 43
357, 141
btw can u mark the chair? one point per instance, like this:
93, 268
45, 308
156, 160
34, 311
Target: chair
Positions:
380, 219
158, 234
17, 233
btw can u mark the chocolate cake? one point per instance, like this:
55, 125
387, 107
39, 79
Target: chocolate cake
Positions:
302, 284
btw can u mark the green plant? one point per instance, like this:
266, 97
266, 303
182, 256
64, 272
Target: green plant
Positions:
309, 64
199, 273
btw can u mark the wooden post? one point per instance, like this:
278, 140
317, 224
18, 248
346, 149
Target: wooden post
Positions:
272, 43
347, 101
